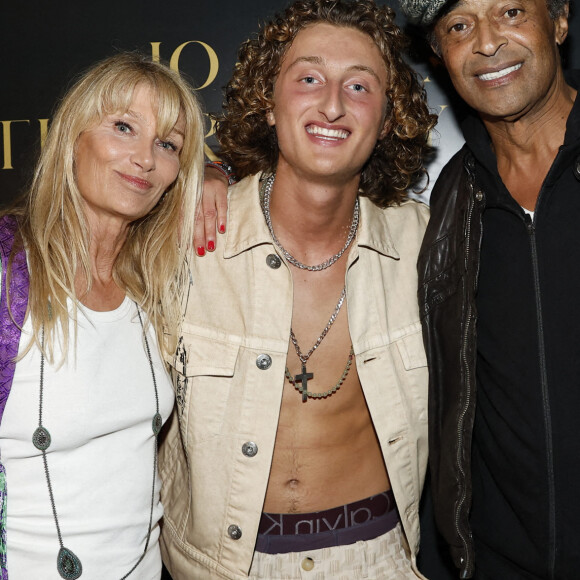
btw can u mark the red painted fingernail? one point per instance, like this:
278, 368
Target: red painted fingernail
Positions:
222, 229
201, 251
210, 246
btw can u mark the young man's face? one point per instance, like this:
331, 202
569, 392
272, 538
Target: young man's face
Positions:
502, 56
330, 102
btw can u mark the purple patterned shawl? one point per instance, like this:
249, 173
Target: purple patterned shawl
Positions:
10, 327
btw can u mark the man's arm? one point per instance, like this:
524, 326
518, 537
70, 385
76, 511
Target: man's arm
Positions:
212, 212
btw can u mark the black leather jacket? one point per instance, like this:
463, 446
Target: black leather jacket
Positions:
448, 266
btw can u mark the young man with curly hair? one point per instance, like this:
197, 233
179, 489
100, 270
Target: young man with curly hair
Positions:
499, 288
299, 445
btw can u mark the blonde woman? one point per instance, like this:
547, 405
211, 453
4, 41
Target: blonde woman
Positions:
98, 235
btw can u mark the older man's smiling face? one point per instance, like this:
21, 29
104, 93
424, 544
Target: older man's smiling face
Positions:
502, 57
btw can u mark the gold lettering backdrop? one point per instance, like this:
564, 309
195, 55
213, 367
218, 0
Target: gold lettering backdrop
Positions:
44, 46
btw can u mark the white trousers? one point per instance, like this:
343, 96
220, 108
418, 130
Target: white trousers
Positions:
383, 558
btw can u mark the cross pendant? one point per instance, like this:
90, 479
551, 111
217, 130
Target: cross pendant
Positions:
303, 378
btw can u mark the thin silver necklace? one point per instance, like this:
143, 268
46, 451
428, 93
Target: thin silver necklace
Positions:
68, 563
267, 191
302, 389
304, 376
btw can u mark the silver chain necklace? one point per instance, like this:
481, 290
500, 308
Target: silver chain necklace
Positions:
329, 391
305, 375
267, 191
68, 564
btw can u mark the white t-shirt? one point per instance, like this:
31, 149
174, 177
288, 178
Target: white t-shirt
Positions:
528, 211
98, 409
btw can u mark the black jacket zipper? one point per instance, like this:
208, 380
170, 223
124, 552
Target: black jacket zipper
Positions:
545, 400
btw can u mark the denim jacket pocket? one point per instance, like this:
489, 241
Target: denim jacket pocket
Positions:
204, 370
412, 351
414, 361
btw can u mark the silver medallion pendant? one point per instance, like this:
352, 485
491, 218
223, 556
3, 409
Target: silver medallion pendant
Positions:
157, 423
68, 565
41, 439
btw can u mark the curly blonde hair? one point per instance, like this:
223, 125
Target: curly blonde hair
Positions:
250, 144
151, 266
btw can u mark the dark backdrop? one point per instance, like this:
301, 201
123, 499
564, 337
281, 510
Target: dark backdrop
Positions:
44, 45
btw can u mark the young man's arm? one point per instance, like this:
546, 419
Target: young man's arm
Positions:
212, 212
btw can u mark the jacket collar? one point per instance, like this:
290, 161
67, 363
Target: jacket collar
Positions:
247, 227
374, 232
573, 123
478, 141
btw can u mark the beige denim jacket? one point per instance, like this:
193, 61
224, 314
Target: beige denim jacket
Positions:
229, 375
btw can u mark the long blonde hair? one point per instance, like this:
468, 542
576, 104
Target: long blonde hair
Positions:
151, 266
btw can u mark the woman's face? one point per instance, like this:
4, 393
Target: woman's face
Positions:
122, 166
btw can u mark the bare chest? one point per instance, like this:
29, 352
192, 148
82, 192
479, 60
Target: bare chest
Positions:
326, 451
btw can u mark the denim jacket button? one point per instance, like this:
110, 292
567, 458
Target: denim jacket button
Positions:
273, 261
234, 532
264, 362
249, 449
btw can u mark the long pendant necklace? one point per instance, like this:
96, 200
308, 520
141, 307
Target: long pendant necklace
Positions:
267, 191
305, 393
68, 563
304, 376
300, 381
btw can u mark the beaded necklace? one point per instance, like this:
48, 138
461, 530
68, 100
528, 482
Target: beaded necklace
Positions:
300, 381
